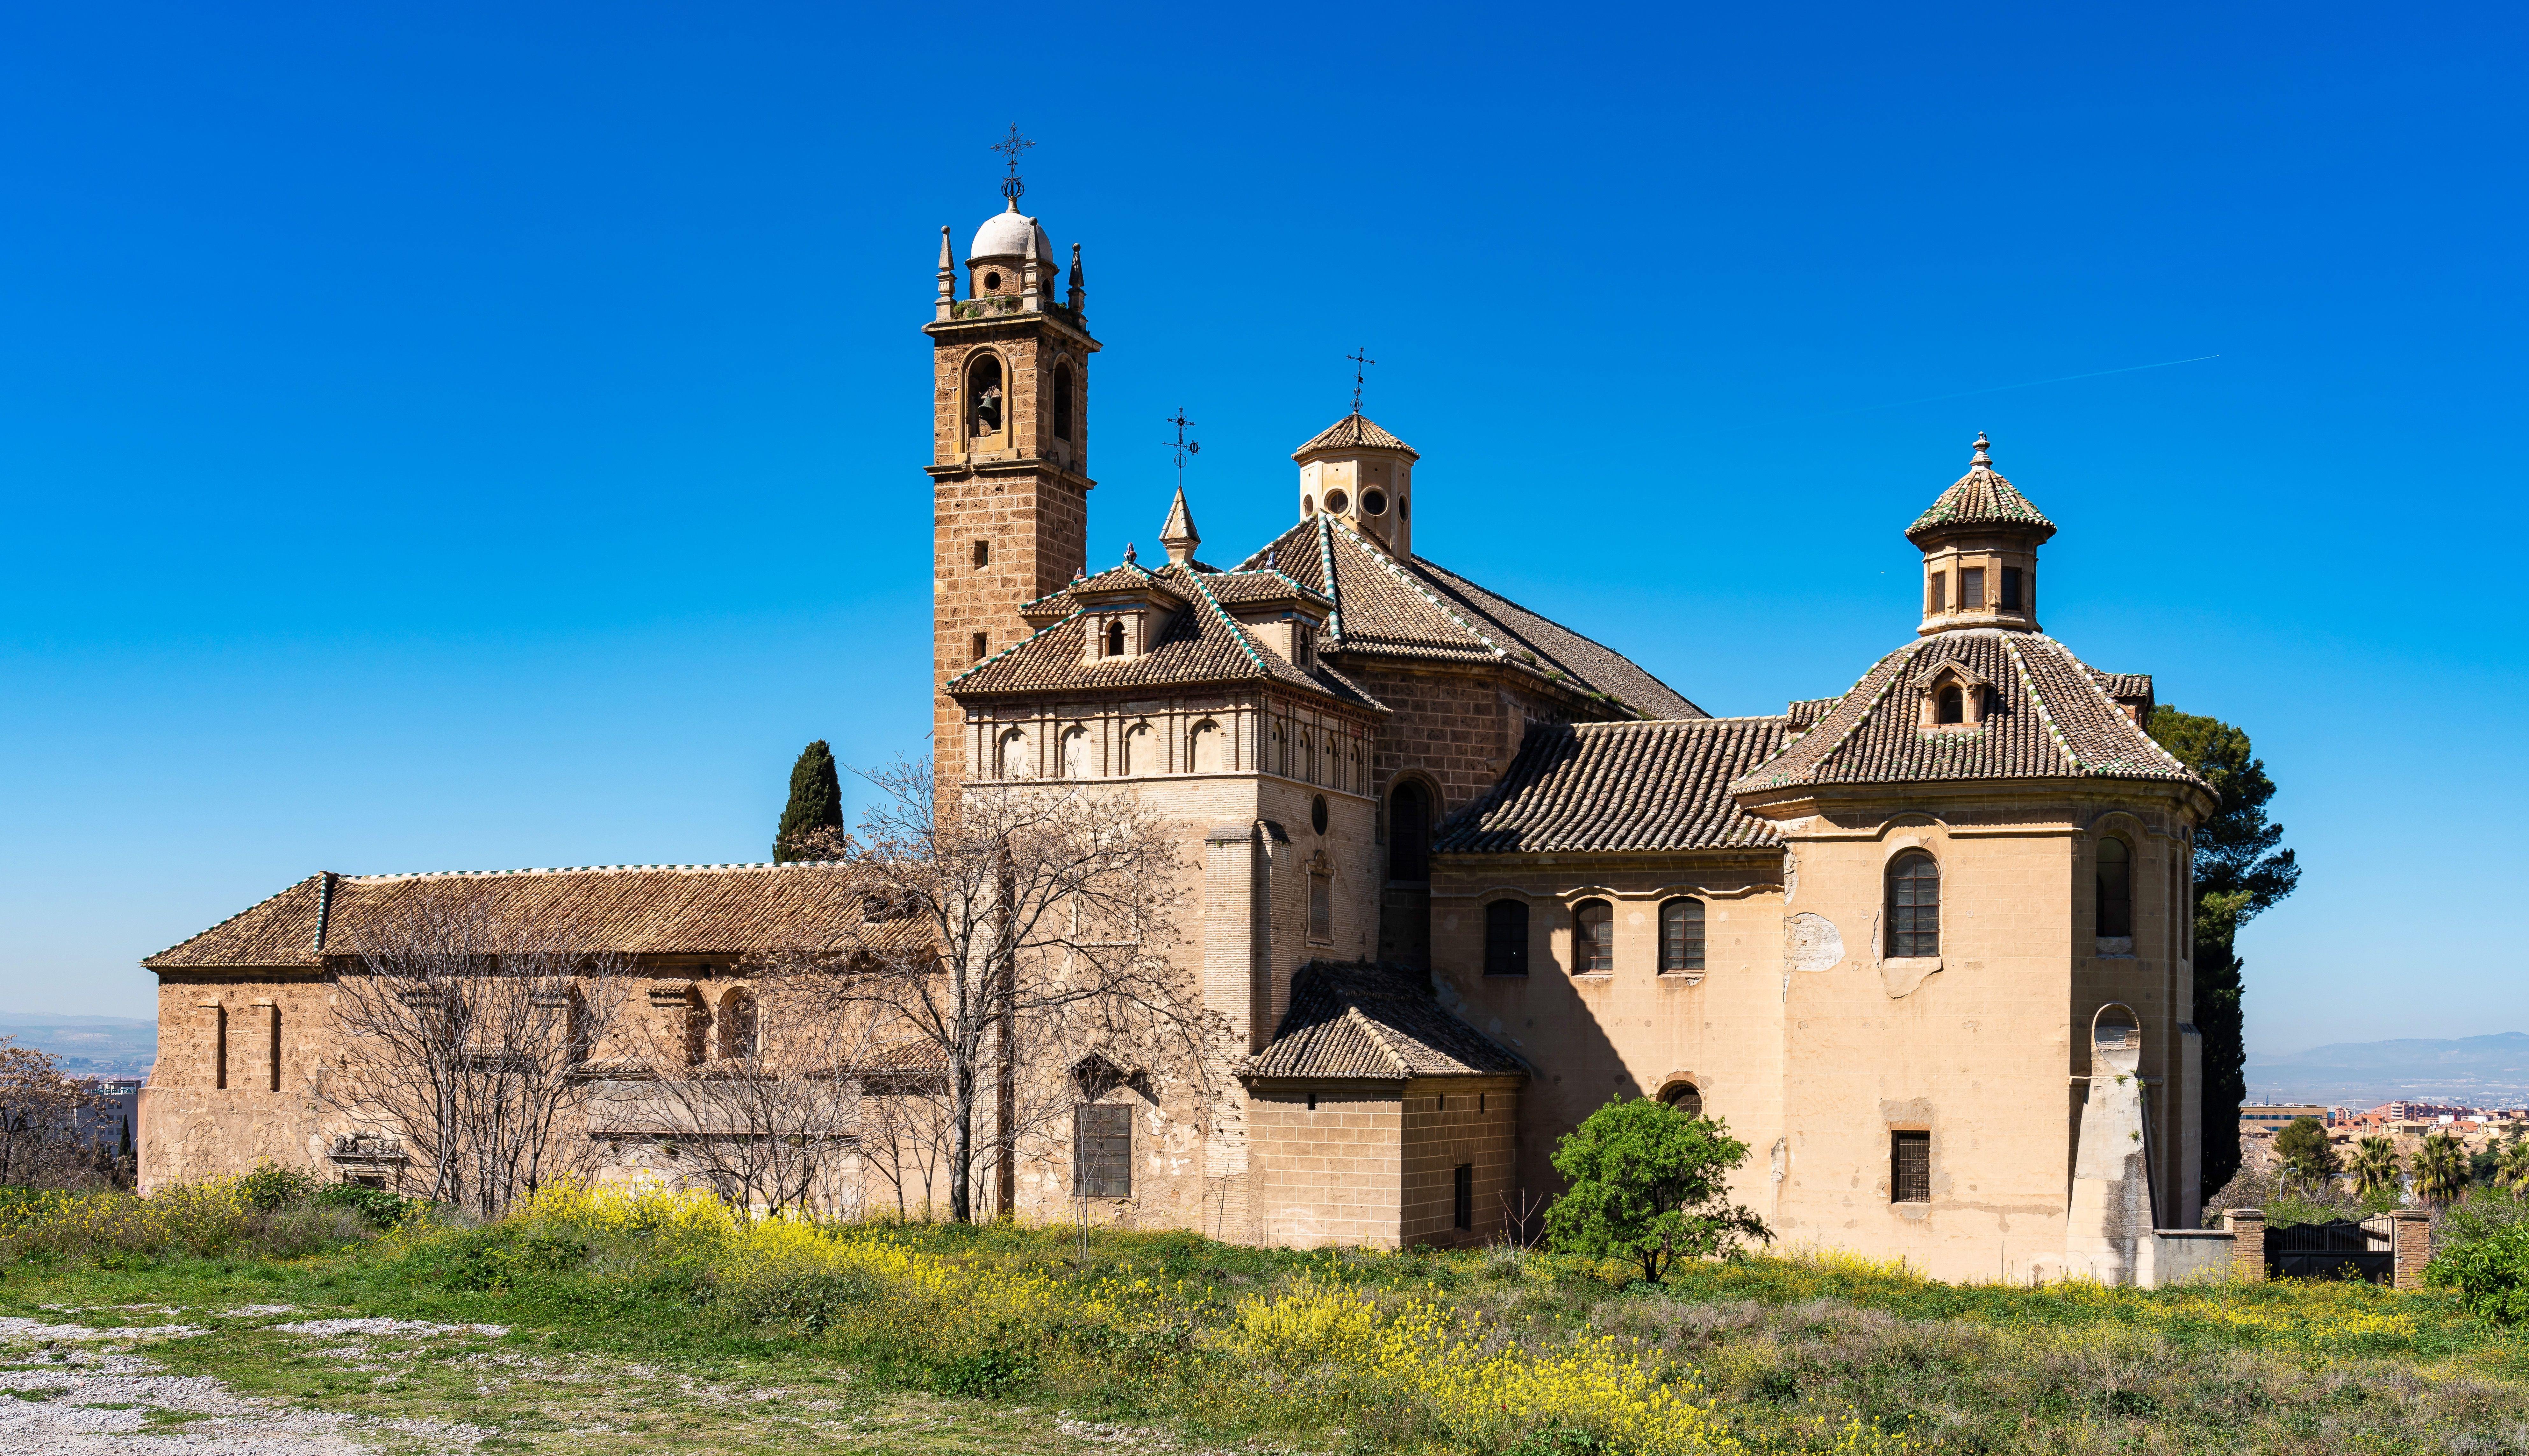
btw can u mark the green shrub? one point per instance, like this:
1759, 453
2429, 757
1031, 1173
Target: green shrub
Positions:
270, 1185
377, 1207
2481, 1249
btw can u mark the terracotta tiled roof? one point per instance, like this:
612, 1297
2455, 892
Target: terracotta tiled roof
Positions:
1239, 588
1805, 712
633, 909
1357, 1022
2048, 719
1980, 497
1353, 432
1618, 786
1201, 644
1416, 608
2122, 685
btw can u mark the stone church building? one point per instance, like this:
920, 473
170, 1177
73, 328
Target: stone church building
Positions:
1463, 874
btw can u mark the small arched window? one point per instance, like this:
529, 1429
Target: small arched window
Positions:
1681, 935
1914, 904
1063, 400
1506, 937
1308, 756
1076, 763
1116, 637
1409, 835
1016, 761
1138, 755
1953, 705
983, 396
1685, 1097
2116, 888
1204, 745
1593, 938
737, 1026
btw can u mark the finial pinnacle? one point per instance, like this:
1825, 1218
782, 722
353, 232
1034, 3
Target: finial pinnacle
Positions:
1983, 449
1128, 552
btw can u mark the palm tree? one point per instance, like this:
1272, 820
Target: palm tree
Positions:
2440, 1169
2376, 1168
2513, 1172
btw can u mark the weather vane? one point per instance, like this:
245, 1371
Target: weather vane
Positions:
1360, 359
1009, 148
1183, 446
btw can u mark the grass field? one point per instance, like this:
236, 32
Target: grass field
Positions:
606, 1325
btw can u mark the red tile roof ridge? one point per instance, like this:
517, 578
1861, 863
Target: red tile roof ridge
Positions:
1397, 571
2089, 676
735, 864
1749, 784
1072, 616
239, 915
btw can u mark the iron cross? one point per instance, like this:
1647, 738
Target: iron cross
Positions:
1009, 148
1183, 446
1360, 359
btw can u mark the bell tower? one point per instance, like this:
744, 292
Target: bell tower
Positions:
1009, 447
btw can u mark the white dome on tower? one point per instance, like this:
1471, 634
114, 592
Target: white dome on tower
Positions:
1006, 235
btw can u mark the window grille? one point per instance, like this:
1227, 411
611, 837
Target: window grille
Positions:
2116, 888
1462, 1195
1914, 904
1102, 1150
2011, 589
1506, 938
1971, 586
1593, 938
1936, 593
1909, 1168
1681, 935
1321, 906
1685, 1097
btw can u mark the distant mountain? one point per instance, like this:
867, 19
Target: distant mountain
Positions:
87, 1046
2486, 1071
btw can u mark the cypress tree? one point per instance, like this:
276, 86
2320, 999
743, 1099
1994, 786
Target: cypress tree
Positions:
2240, 869
816, 800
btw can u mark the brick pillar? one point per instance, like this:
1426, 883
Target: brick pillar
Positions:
2410, 1246
2247, 1229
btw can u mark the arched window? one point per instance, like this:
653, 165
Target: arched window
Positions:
1506, 937
1308, 756
1116, 637
1281, 752
1685, 1097
2116, 888
1063, 400
1016, 761
1593, 938
737, 1026
1138, 755
1953, 705
983, 396
1409, 833
1076, 763
1204, 745
1681, 935
1914, 904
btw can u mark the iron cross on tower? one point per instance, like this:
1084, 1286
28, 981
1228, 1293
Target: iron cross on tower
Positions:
1183, 446
1361, 361
1009, 148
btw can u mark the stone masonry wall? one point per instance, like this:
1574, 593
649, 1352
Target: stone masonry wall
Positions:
1331, 1170
1447, 1124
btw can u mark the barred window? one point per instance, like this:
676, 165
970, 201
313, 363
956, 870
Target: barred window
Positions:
2116, 888
1321, 906
1593, 938
1681, 935
1971, 586
1506, 937
1936, 593
1914, 904
1909, 1168
1102, 1150
1685, 1097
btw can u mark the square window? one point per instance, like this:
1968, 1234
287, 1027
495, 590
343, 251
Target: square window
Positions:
1102, 1150
1972, 588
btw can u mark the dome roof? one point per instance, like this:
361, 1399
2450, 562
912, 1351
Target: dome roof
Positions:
1981, 497
1006, 235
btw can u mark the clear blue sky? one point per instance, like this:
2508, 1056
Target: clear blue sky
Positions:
479, 437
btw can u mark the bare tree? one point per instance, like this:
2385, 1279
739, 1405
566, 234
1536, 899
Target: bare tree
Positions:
766, 1116
47, 1123
464, 1028
1048, 916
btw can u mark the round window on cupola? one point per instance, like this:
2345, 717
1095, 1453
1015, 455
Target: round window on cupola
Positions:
1336, 501
1373, 503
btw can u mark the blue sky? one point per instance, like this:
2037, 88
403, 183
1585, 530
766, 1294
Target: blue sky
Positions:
478, 436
